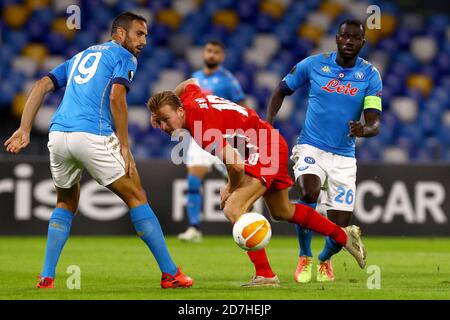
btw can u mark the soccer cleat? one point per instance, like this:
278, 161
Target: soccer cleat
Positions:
354, 245
46, 283
260, 281
179, 280
304, 270
191, 235
325, 271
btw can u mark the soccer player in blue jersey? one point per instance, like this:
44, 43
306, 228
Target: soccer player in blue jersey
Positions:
90, 130
342, 86
219, 81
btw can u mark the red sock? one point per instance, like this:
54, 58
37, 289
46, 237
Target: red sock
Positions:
309, 218
262, 266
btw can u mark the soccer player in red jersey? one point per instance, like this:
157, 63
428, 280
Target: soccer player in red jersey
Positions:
256, 157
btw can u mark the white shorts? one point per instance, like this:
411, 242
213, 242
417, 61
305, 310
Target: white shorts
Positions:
71, 152
337, 175
196, 156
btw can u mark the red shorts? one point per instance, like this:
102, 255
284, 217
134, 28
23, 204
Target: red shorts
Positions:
272, 165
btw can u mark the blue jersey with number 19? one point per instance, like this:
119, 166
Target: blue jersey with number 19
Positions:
337, 95
88, 78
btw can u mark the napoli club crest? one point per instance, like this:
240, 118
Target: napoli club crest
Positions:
310, 160
359, 75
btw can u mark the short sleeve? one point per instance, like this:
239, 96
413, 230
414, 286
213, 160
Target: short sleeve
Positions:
297, 77
372, 100
59, 75
124, 71
189, 91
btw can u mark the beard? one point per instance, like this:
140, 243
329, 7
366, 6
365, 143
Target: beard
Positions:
211, 64
127, 45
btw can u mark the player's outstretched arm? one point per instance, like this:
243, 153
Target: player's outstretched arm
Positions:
276, 100
119, 112
180, 88
236, 171
21, 138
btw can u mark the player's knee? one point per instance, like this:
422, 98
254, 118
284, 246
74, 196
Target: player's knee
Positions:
71, 206
310, 196
136, 196
280, 211
281, 214
140, 195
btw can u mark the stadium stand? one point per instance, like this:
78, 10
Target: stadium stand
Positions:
264, 39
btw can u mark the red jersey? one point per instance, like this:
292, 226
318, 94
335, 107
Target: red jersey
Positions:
214, 121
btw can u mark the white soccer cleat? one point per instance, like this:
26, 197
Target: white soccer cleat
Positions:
191, 235
355, 245
260, 281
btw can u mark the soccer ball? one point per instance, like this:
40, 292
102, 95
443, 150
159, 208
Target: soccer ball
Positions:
252, 231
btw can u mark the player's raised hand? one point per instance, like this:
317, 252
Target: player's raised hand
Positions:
18, 141
356, 129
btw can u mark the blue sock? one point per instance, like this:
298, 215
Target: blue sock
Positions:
58, 233
194, 200
331, 248
305, 235
149, 230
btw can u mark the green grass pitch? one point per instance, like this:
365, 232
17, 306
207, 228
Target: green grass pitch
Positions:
123, 268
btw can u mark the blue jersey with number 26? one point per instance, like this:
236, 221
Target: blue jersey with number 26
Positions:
337, 95
88, 78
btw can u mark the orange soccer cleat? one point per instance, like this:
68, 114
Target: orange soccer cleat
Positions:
180, 280
325, 271
304, 270
46, 283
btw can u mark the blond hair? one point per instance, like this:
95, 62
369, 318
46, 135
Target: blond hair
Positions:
164, 98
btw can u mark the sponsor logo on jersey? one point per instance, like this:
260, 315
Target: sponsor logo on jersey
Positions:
310, 160
326, 69
303, 168
334, 85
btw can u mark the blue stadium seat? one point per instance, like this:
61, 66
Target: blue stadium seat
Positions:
245, 80
403, 37
8, 91
444, 135
56, 43
388, 46
138, 93
423, 139
16, 41
246, 10
264, 22
36, 29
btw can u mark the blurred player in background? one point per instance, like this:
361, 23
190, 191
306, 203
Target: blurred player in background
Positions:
258, 168
215, 79
81, 136
342, 86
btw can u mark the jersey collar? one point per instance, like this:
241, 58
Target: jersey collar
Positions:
333, 60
